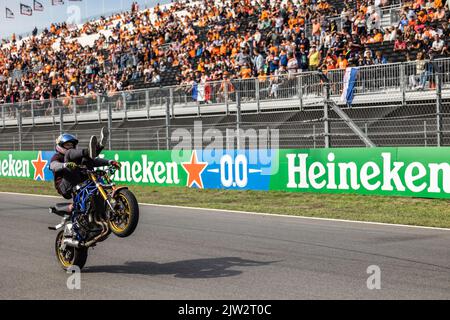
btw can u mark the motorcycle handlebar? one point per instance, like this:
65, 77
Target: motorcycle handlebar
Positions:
111, 169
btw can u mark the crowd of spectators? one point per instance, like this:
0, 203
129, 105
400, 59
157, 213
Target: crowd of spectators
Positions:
212, 40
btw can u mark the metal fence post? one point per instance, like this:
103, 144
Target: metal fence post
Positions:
238, 119
300, 91
325, 115
53, 111
3, 115
171, 100
125, 107
32, 113
167, 124
19, 125
61, 120
225, 92
403, 83
110, 126
438, 106
198, 107
147, 103
258, 103
75, 110
99, 108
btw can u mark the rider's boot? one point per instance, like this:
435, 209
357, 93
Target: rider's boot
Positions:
103, 138
95, 146
92, 148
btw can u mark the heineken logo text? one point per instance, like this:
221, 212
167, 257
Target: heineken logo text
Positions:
383, 174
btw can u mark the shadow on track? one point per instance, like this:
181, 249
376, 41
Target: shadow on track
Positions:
198, 268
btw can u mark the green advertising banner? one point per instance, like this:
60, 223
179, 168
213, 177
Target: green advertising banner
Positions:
153, 168
415, 172
25, 164
412, 172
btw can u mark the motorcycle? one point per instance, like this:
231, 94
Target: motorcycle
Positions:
99, 209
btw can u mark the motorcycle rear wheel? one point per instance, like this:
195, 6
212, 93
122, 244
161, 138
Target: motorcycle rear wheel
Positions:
70, 257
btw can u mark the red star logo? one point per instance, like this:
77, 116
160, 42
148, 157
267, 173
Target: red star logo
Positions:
39, 166
194, 170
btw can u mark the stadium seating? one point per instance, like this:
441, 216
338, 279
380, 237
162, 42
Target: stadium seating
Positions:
14, 69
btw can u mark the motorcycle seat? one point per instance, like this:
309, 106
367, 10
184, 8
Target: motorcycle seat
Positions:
63, 207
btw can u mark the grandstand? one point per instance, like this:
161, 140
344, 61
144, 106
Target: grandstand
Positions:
240, 63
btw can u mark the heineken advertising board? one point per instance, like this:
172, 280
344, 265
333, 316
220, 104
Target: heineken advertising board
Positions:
414, 172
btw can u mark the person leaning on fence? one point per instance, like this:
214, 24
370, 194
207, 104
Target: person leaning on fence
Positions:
226, 88
418, 80
258, 61
314, 58
274, 84
292, 66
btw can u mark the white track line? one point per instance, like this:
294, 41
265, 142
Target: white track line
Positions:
257, 213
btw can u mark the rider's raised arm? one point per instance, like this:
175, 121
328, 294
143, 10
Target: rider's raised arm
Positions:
56, 166
98, 162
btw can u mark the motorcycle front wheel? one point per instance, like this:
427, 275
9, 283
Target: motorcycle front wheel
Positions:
126, 216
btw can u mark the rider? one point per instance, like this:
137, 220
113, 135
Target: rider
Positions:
67, 158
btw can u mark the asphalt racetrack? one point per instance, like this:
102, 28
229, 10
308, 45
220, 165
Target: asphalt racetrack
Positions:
179, 253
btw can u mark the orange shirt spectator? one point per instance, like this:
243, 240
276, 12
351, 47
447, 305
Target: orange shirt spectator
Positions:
223, 49
323, 5
422, 17
301, 21
234, 52
273, 50
215, 51
192, 53
264, 15
262, 77
378, 37
246, 72
363, 9
438, 4
292, 22
330, 64
412, 23
427, 34
342, 62
226, 83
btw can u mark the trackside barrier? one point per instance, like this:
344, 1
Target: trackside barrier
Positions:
409, 172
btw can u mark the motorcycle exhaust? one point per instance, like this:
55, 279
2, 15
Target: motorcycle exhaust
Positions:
71, 243
105, 230
76, 244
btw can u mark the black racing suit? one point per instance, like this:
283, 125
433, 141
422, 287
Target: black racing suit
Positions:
66, 179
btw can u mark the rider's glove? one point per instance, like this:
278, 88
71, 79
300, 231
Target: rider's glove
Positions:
115, 164
70, 165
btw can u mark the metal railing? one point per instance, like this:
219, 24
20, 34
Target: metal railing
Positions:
394, 104
420, 123
298, 91
393, 11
